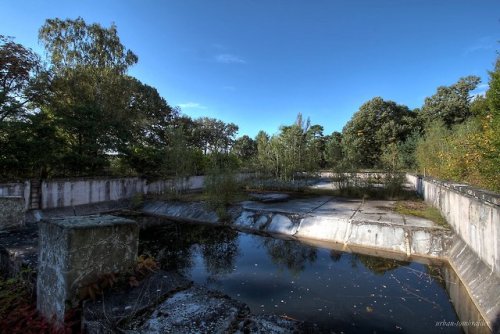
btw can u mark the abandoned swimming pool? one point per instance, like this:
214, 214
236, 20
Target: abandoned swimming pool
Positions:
337, 291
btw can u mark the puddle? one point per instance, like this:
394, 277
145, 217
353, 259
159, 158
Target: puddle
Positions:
340, 292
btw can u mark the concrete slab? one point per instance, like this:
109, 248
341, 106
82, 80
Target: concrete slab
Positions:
190, 211
282, 224
323, 228
302, 205
340, 208
269, 197
195, 310
107, 312
18, 249
271, 324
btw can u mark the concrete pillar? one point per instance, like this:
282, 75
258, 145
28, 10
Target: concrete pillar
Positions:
76, 251
12, 212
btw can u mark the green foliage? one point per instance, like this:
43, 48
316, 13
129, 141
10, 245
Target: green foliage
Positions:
465, 153
334, 154
245, 149
297, 148
373, 128
17, 68
137, 201
451, 104
421, 209
74, 43
221, 189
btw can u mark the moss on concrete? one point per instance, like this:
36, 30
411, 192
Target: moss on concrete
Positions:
421, 209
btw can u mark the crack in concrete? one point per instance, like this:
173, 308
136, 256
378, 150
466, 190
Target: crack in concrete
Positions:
349, 224
319, 206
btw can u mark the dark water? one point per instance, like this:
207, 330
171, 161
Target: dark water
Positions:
341, 292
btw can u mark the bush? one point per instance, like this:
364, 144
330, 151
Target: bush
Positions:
221, 190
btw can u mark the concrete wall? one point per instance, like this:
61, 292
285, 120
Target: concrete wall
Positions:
73, 192
473, 214
16, 189
12, 211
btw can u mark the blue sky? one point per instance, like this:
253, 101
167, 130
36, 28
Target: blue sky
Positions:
259, 63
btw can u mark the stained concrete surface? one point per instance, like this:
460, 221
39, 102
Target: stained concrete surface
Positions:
198, 310
18, 249
76, 251
349, 221
108, 312
12, 209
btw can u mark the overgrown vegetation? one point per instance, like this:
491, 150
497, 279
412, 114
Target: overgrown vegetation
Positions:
221, 188
83, 114
18, 313
421, 209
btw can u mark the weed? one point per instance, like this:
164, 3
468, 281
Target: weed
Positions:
421, 209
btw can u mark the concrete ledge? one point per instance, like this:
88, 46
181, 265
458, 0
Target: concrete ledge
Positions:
321, 221
481, 283
473, 214
76, 251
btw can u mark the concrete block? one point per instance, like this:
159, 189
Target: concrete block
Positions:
323, 228
282, 224
12, 209
76, 251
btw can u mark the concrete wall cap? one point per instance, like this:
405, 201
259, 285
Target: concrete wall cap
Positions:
88, 222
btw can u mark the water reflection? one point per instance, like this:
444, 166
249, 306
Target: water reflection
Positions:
174, 246
289, 254
219, 250
336, 290
376, 265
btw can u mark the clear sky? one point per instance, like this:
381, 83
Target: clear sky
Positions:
258, 63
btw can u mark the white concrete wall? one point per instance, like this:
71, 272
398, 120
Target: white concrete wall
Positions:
17, 189
473, 214
72, 192
12, 189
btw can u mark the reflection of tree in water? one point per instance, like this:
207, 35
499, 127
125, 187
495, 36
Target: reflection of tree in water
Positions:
437, 274
377, 265
220, 251
172, 245
335, 255
289, 254
169, 245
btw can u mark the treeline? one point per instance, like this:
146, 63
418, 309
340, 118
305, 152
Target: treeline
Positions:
453, 136
80, 113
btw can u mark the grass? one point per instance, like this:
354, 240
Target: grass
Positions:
421, 209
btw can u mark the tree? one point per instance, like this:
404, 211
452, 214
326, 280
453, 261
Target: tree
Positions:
468, 151
245, 149
18, 64
74, 43
89, 97
214, 135
147, 130
333, 150
377, 124
451, 104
